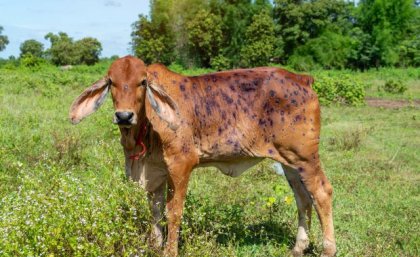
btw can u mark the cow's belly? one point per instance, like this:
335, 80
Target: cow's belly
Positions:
233, 168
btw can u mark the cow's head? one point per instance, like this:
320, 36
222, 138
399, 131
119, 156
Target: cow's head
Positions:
130, 86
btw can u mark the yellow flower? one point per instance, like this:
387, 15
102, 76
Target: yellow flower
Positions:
270, 201
288, 199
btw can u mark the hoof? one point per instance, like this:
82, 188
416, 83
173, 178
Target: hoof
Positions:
330, 249
300, 247
170, 252
297, 252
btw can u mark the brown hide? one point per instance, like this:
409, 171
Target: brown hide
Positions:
261, 112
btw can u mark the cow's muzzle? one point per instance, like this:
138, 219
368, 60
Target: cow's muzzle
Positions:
124, 118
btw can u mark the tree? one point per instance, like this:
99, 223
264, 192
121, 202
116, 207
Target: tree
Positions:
304, 20
205, 36
148, 44
362, 50
65, 51
261, 42
62, 50
3, 40
329, 50
236, 17
181, 12
88, 50
409, 48
388, 22
32, 47
153, 39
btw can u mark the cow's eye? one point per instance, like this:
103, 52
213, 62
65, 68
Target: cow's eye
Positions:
110, 82
143, 83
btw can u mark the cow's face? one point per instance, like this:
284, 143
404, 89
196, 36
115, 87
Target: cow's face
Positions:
127, 80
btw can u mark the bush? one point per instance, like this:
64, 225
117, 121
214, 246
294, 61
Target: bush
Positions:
394, 87
347, 139
220, 63
30, 60
343, 90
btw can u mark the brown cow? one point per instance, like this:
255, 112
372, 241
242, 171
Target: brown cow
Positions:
231, 120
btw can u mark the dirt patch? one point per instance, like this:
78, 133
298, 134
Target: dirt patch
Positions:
393, 104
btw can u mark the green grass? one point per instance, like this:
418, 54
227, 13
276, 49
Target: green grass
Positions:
63, 190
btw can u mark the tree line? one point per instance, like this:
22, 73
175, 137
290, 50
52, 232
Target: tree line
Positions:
304, 34
63, 50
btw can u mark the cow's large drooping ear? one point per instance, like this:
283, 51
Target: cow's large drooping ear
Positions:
89, 101
163, 105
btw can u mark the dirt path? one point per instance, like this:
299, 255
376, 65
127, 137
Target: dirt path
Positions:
393, 104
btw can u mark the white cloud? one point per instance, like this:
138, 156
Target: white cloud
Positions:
112, 3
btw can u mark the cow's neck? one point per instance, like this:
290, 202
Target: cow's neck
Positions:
129, 136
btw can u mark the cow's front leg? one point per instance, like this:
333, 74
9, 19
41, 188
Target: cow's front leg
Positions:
179, 175
156, 201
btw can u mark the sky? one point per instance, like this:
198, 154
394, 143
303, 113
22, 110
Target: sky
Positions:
109, 21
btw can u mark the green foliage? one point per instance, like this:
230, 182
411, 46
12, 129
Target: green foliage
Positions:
331, 34
409, 48
152, 39
29, 60
261, 44
220, 63
330, 51
305, 20
64, 51
150, 42
388, 22
88, 50
341, 90
362, 50
205, 36
3, 40
303, 63
31, 47
394, 87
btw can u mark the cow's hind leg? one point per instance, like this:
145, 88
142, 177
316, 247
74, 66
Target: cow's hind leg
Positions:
304, 205
321, 191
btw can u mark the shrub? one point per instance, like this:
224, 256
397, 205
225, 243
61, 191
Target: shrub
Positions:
30, 60
349, 139
343, 90
394, 87
220, 63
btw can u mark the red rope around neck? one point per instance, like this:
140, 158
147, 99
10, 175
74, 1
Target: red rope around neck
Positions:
140, 141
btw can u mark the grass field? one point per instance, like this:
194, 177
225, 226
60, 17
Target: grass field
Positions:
63, 190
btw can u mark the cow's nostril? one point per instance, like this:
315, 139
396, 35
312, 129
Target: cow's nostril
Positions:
123, 117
